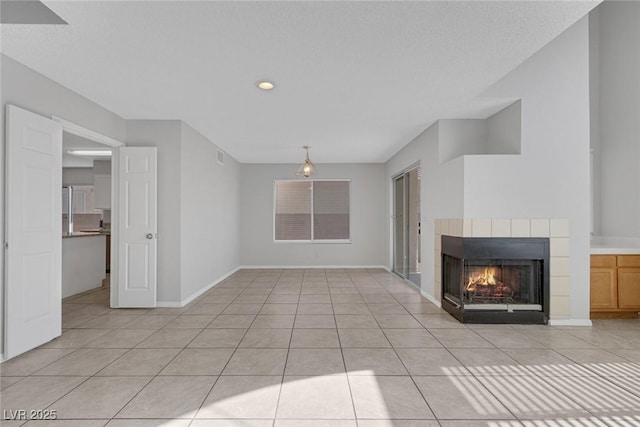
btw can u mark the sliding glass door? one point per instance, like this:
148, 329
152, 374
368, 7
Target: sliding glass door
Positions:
399, 244
406, 214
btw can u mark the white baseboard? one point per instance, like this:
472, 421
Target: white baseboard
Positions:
431, 299
206, 288
299, 267
570, 322
195, 294
168, 304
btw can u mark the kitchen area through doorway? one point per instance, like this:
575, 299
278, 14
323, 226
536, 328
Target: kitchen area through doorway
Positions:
86, 215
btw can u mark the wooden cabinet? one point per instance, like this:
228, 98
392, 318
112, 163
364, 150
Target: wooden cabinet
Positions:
629, 282
604, 282
615, 285
629, 288
604, 288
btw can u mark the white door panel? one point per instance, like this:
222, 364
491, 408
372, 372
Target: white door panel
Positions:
137, 214
33, 232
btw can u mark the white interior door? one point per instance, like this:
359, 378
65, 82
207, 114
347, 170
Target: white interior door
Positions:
33, 275
137, 219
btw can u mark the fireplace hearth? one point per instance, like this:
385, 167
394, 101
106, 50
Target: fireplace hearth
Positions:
496, 280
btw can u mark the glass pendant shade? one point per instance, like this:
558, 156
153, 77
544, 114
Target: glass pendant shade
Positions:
307, 169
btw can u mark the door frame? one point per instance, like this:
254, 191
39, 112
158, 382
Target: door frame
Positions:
392, 201
94, 136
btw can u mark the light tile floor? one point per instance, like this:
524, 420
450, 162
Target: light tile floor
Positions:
321, 348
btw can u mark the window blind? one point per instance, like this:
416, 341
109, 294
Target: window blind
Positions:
311, 210
331, 210
293, 210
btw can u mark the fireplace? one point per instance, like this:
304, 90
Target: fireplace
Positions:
496, 280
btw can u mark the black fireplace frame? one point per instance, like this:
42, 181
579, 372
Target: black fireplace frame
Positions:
486, 248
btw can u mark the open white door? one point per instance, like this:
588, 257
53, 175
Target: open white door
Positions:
33, 275
137, 219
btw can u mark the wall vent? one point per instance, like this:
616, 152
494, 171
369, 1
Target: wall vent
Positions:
220, 157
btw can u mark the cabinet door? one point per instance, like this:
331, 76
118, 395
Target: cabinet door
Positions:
102, 191
629, 287
604, 288
601, 261
83, 199
628, 260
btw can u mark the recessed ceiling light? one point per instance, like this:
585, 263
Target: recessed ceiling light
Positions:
96, 153
265, 85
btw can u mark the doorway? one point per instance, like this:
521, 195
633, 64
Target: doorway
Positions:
86, 216
406, 229
105, 178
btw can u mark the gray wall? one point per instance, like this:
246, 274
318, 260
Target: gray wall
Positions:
368, 211
25, 88
197, 208
594, 116
77, 176
462, 136
504, 130
441, 195
619, 119
497, 134
164, 134
209, 217
102, 167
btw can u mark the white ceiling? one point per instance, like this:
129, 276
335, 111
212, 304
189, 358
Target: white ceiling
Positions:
355, 80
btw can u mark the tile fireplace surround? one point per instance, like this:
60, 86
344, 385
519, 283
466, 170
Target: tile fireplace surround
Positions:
557, 230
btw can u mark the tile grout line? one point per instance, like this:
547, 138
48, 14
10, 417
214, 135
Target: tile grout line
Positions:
353, 403
284, 368
408, 373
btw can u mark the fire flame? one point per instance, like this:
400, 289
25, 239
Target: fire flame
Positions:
485, 278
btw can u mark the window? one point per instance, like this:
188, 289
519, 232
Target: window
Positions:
311, 210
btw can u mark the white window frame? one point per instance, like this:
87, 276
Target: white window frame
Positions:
314, 241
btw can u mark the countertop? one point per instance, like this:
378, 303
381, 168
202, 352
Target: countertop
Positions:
615, 246
86, 234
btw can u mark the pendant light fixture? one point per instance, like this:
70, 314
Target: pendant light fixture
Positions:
307, 169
